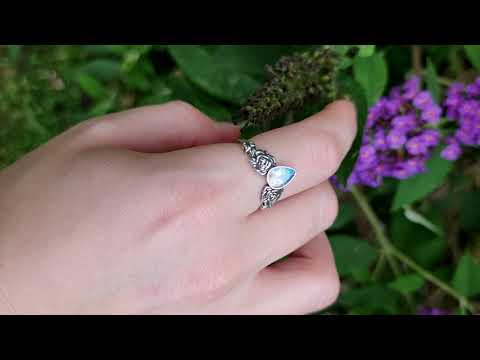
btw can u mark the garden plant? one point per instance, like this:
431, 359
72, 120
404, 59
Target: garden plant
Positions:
407, 236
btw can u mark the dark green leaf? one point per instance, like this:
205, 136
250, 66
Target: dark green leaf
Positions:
102, 69
466, 279
217, 78
372, 74
431, 79
371, 300
419, 186
350, 89
352, 254
346, 214
421, 244
473, 54
90, 85
182, 89
469, 211
407, 284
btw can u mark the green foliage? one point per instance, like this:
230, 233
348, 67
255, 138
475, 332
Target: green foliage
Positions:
350, 89
431, 79
467, 276
419, 186
352, 255
372, 74
431, 218
346, 215
407, 284
473, 54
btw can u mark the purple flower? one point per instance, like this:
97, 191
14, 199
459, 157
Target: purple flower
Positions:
416, 146
431, 113
473, 90
411, 87
396, 139
380, 140
422, 100
404, 123
431, 137
427, 311
451, 152
463, 107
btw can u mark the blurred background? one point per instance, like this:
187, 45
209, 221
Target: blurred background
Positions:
405, 247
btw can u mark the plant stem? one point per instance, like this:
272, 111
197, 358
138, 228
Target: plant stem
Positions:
392, 253
463, 301
387, 247
377, 228
379, 267
417, 59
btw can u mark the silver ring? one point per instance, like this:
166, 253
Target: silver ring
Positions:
277, 176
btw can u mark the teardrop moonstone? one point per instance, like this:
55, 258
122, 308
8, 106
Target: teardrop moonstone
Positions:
280, 176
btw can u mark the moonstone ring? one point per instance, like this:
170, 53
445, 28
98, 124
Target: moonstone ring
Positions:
278, 177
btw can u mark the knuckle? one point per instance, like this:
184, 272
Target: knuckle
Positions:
92, 129
207, 284
326, 291
331, 290
188, 111
323, 148
330, 207
346, 109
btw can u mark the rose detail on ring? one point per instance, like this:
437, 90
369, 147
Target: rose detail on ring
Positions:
269, 196
262, 162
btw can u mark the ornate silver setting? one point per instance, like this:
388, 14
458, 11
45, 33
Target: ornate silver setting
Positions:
261, 160
278, 177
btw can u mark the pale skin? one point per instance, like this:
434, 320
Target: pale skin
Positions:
155, 211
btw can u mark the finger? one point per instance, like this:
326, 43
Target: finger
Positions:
315, 147
290, 224
159, 128
304, 283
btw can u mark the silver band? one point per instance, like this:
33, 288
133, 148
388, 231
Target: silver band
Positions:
278, 177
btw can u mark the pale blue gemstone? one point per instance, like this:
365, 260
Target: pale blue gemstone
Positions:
280, 176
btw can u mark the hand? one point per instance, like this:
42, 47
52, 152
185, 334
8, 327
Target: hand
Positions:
155, 211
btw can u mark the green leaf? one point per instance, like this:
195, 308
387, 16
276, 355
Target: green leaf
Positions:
366, 50
473, 54
218, 78
466, 279
252, 59
182, 89
469, 218
352, 90
352, 254
371, 300
419, 186
342, 49
407, 284
372, 74
90, 85
431, 78
419, 219
102, 69
423, 246
346, 214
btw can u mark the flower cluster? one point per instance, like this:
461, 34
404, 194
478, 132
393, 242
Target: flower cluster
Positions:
399, 137
462, 105
294, 81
